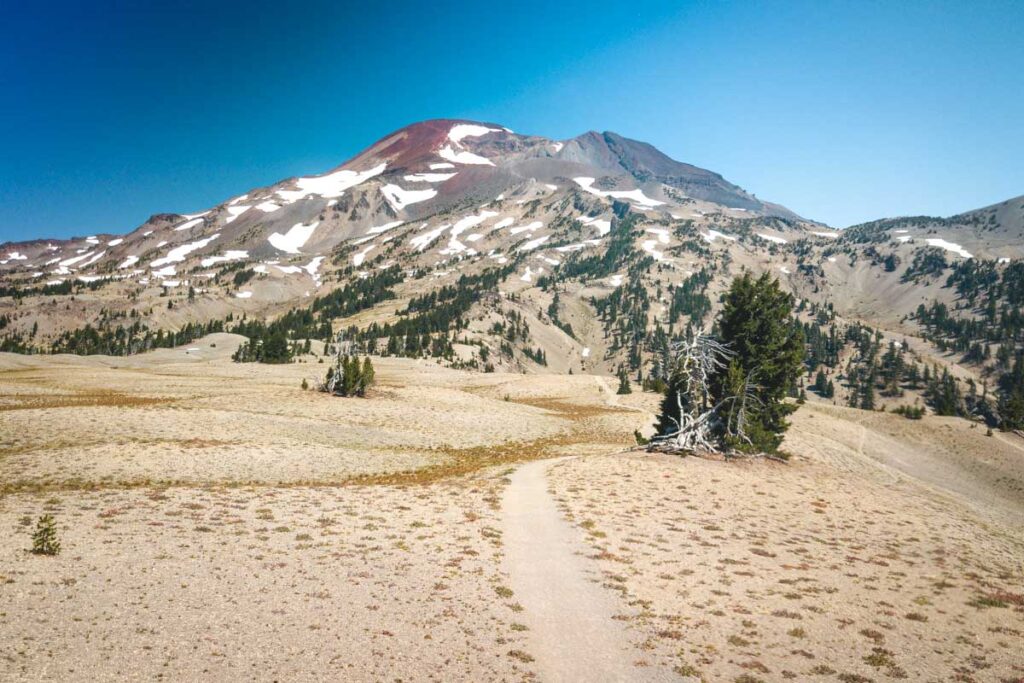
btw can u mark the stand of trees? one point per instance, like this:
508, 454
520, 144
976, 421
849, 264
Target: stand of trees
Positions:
348, 376
273, 348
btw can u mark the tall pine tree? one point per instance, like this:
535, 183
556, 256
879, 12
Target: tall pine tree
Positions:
757, 325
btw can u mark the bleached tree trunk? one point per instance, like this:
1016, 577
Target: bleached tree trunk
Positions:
696, 363
330, 384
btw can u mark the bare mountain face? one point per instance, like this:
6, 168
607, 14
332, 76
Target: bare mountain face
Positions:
594, 244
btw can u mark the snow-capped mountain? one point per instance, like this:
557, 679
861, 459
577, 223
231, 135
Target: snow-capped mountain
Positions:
420, 171
446, 198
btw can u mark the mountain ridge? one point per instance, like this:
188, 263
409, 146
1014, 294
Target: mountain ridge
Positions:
408, 148
585, 251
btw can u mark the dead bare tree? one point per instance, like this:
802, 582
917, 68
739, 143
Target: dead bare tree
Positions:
332, 382
702, 418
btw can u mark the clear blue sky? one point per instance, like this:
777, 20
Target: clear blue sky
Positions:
842, 111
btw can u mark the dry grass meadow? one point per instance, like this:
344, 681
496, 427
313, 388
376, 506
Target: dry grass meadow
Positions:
220, 523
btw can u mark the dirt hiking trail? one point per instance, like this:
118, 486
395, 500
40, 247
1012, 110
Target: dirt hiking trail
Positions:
573, 634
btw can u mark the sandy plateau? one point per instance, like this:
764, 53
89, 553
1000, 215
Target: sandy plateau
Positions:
220, 523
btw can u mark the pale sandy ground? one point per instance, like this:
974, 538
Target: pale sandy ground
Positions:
214, 525
219, 523
167, 418
352, 583
840, 565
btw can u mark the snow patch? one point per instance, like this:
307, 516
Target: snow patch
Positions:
450, 154
114, 243
424, 240
243, 295
637, 195
179, 253
230, 255
772, 238
711, 235
440, 165
469, 130
384, 228
428, 177
189, 224
948, 246
577, 247
400, 198
461, 225
533, 244
74, 259
662, 234
313, 268
235, 212
527, 228
297, 236
528, 275
357, 259
603, 226
650, 246
330, 185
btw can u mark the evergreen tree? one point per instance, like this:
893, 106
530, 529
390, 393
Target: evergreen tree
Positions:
366, 376
757, 326
624, 387
275, 349
944, 394
1011, 396
867, 391
349, 376
820, 383
44, 538
668, 414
